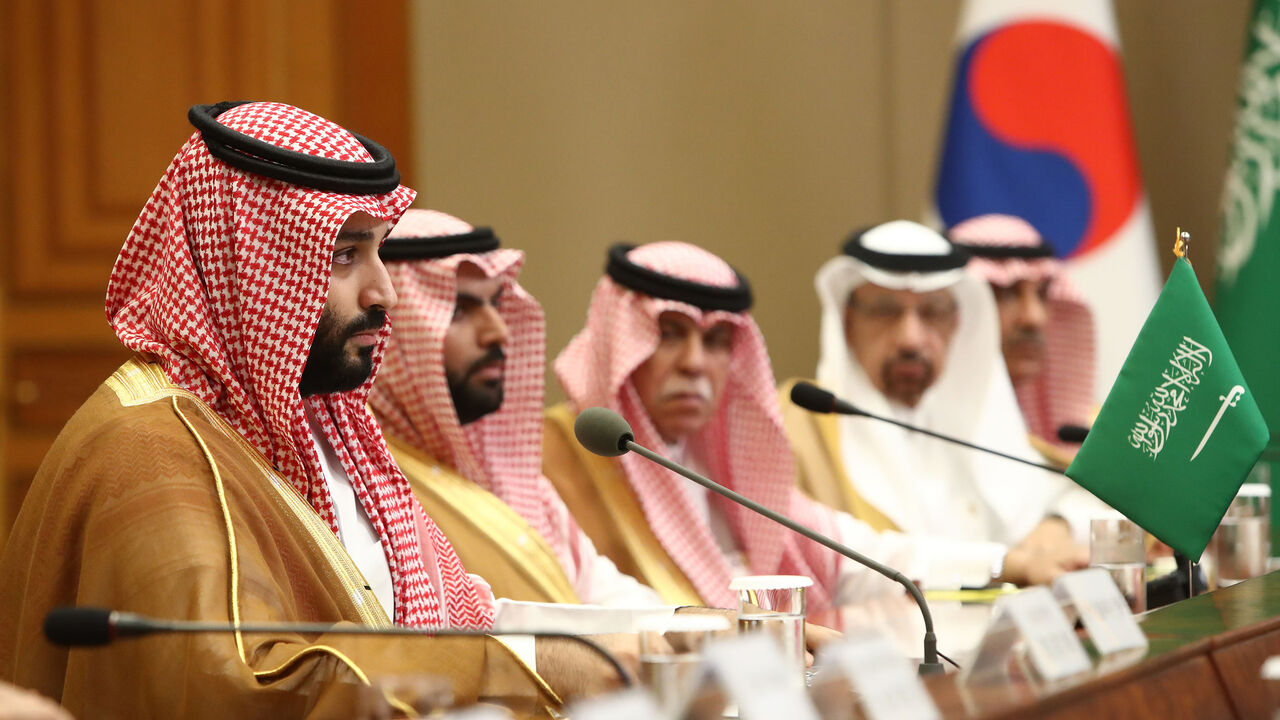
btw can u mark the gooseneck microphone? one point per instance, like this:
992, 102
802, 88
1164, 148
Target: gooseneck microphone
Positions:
815, 399
605, 432
1073, 433
91, 626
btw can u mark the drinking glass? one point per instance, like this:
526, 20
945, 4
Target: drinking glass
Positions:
1119, 546
774, 604
671, 657
1242, 544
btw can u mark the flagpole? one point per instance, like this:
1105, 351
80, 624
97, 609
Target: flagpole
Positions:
1181, 249
1182, 244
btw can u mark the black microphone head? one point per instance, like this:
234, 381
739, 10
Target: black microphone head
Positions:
1073, 433
812, 398
603, 431
78, 626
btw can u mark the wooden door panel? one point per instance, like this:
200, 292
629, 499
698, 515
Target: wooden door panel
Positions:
94, 107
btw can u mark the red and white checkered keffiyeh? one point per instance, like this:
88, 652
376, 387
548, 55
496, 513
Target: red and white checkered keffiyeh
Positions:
223, 280
744, 443
501, 451
1063, 392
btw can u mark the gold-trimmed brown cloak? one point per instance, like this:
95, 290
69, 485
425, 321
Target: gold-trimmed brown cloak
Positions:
820, 473
604, 505
149, 502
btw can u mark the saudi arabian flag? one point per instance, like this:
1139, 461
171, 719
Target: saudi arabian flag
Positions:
1245, 294
1180, 429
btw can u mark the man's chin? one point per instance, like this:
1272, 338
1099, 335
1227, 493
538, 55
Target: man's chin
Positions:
354, 379
477, 401
906, 393
681, 422
344, 380
1024, 372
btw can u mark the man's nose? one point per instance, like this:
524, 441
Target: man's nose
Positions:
378, 290
492, 328
693, 356
911, 330
1032, 309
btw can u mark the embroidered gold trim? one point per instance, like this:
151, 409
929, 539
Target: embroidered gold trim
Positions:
490, 515
311, 650
1056, 456
857, 505
538, 680
138, 382
404, 707
233, 557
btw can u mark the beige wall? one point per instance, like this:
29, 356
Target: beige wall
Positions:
762, 130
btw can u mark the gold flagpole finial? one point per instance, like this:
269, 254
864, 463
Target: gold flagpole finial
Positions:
1182, 244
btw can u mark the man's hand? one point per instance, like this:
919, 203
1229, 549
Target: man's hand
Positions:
575, 671
21, 704
1043, 555
424, 693
815, 636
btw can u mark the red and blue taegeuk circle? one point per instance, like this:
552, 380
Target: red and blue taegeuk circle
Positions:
1040, 129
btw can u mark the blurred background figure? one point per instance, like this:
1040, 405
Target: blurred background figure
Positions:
1046, 328
909, 335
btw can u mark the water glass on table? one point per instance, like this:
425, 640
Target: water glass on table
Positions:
1119, 546
775, 604
1241, 545
671, 657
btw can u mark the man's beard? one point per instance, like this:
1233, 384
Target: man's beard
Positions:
908, 391
473, 402
329, 369
1025, 340
1024, 354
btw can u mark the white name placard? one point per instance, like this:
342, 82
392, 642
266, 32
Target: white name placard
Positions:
477, 712
888, 685
755, 675
629, 704
1103, 609
1051, 643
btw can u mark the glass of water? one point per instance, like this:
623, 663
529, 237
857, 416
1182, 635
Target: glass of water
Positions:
671, 657
774, 604
1242, 544
1119, 546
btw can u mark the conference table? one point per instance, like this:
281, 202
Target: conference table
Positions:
1204, 661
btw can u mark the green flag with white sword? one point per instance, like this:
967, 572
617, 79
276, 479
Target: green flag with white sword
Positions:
1249, 251
1180, 429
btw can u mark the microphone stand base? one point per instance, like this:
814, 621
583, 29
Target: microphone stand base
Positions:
931, 668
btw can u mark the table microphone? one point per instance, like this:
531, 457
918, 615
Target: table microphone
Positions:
1073, 433
815, 399
90, 626
605, 432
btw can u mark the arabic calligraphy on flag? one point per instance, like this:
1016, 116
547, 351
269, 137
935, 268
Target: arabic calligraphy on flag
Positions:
1160, 413
1144, 468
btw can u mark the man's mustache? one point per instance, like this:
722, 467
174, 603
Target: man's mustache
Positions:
495, 354
374, 319
910, 356
1024, 336
700, 386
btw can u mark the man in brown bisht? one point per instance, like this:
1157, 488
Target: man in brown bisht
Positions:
231, 472
460, 399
